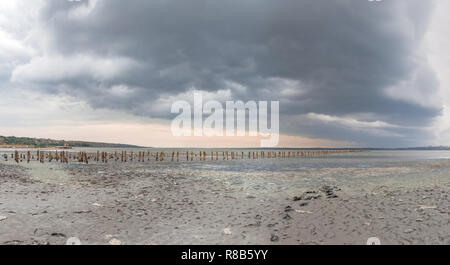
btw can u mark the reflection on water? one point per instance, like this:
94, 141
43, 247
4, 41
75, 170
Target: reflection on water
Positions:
353, 172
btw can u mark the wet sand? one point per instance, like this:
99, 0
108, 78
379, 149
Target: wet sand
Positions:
167, 203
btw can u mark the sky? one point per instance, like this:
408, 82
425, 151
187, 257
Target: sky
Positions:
348, 73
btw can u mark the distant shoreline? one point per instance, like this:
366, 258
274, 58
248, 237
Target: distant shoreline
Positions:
27, 142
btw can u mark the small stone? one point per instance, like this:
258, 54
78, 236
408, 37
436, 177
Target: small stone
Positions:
425, 207
115, 242
407, 231
96, 204
300, 211
274, 238
154, 200
303, 204
2, 218
108, 237
58, 234
288, 209
287, 217
227, 231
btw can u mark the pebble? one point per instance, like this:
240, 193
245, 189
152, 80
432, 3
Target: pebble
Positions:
56, 234
115, 242
425, 207
300, 211
227, 231
288, 209
287, 217
2, 218
274, 238
407, 231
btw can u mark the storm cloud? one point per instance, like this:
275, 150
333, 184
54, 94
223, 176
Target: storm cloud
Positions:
341, 69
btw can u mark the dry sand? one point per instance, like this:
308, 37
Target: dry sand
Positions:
140, 203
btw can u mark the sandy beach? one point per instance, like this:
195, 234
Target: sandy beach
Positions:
211, 202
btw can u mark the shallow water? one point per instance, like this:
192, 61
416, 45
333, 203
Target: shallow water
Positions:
353, 172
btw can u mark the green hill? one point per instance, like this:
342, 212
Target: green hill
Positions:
39, 142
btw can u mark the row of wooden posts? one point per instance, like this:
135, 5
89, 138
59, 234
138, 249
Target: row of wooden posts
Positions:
141, 156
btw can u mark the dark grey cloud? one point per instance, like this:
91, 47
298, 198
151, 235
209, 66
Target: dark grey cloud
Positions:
336, 57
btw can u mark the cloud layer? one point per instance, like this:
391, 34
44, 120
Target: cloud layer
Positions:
341, 69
